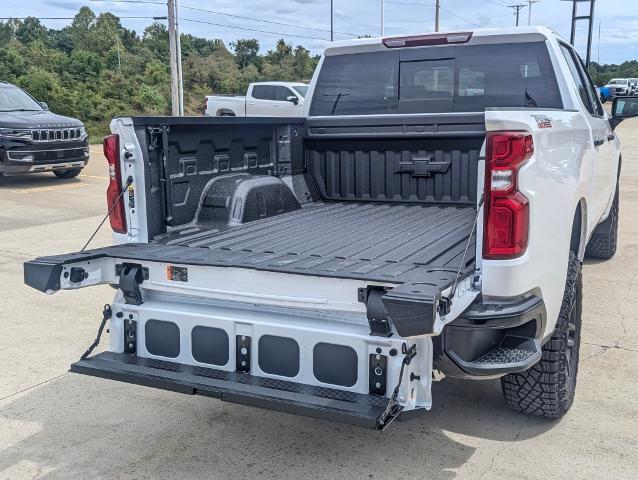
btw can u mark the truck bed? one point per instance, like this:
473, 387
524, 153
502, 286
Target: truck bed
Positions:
366, 241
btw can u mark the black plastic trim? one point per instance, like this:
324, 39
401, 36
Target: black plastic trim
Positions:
42, 275
320, 402
462, 344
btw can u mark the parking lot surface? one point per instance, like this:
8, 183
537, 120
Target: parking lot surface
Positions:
57, 425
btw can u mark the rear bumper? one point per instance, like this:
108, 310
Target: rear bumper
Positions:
491, 340
274, 394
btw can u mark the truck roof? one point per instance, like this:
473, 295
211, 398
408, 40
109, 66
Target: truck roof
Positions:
470, 37
287, 84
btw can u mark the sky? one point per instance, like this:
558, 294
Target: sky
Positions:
307, 22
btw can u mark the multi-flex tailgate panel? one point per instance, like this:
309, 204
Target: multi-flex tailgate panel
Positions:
320, 402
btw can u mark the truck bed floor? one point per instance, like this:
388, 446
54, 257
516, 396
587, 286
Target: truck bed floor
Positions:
368, 241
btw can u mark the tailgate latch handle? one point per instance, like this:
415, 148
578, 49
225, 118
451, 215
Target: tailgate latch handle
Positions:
131, 276
423, 167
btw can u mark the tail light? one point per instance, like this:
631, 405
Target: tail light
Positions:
506, 208
427, 40
114, 201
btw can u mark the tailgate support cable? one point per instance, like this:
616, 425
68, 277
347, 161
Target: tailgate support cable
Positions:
106, 314
129, 180
467, 246
393, 408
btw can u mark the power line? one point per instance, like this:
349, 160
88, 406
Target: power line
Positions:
232, 15
251, 29
529, 10
517, 10
460, 18
265, 21
410, 3
73, 18
494, 2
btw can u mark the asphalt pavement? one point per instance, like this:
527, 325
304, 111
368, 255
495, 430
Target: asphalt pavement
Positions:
58, 425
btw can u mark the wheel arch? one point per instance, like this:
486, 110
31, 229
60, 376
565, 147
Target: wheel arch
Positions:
225, 111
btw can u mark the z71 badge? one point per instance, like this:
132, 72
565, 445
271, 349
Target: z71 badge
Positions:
543, 121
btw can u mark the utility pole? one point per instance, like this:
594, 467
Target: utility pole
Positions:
180, 80
332, 33
590, 20
172, 45
598, 48
382, 20
517, 9
529, 10
437, 13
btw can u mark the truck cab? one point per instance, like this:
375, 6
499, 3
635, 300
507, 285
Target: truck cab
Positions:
275, 99
263, 99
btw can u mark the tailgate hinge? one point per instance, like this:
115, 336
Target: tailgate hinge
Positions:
131, 276
378, 320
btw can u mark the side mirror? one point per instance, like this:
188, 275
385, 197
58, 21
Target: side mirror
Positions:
293, 99
622, 108
44, 105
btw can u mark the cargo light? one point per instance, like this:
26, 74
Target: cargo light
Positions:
506, 216
111, 146
427, 40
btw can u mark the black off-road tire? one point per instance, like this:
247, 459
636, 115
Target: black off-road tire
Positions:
604, 240
69, 173
547, 389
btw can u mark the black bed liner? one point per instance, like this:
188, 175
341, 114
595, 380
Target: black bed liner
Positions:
392, 243
366, 241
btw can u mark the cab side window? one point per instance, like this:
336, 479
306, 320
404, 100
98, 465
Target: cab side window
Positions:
580, 84
598, 107
264, 92
283, 93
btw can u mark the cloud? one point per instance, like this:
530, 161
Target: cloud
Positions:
619, 33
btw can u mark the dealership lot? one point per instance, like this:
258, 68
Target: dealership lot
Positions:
59, 425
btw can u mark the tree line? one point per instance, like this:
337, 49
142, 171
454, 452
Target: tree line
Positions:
95, 69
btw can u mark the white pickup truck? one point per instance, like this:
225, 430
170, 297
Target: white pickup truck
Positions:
620, 86
263, 99
402, 231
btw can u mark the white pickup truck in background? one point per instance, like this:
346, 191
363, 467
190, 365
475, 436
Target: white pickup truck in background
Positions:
427, 217
263, 99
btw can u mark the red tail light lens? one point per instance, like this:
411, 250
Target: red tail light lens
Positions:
427, 40
114, 203
506, 209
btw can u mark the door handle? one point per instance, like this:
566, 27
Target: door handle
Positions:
251, 103
611, 136
598, 142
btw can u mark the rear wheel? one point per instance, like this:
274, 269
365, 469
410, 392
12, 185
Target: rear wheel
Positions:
547, 389
604, 240
69, 173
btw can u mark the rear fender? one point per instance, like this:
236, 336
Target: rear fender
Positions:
554, 180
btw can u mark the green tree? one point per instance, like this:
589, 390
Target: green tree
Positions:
45, 87
80, 30
30, 30
246, 52
150, 100
84, 66
94, 68
7, 32
155, 39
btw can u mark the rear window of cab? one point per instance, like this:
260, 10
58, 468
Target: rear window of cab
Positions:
466, 78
